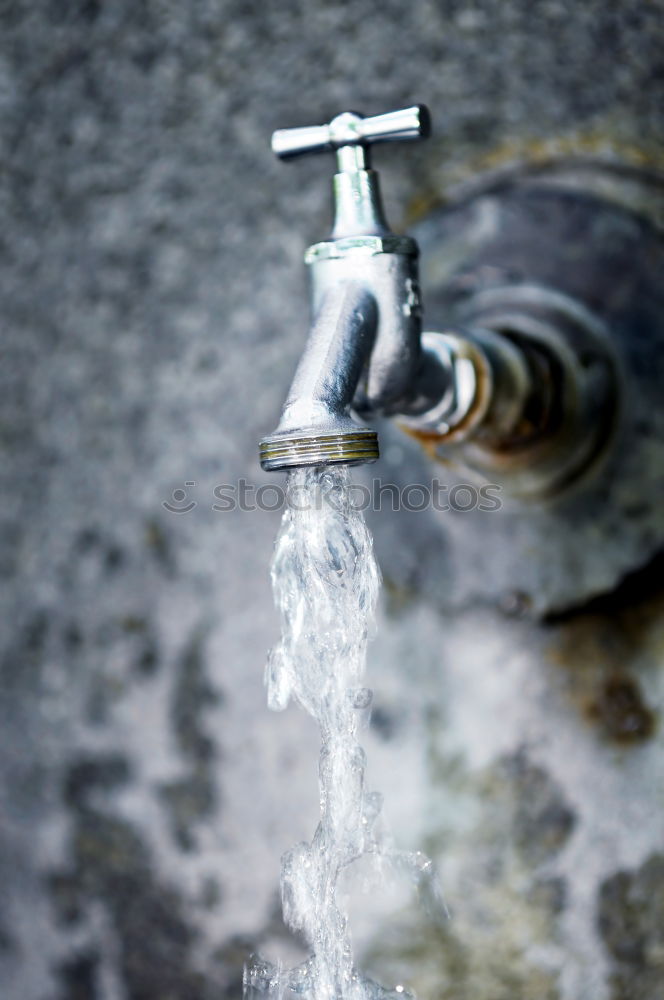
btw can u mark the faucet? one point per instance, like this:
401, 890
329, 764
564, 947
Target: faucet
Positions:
367, 356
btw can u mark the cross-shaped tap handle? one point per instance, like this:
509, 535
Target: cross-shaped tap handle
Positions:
358, 207
352, 129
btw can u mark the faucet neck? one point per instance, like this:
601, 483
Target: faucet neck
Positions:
358, 207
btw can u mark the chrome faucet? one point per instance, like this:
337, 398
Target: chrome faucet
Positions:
367, 356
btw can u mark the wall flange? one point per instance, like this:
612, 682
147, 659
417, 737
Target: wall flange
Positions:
482, 259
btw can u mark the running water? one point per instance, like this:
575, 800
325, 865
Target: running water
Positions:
326, 584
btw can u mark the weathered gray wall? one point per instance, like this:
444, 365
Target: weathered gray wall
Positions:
153, 306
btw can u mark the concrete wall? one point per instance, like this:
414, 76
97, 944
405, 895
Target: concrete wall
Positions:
153, 307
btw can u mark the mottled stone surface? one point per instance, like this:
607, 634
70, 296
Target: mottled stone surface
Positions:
153, 307
631, 918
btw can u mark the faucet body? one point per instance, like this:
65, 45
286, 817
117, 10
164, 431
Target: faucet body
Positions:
386, 267
366, 354
364, 348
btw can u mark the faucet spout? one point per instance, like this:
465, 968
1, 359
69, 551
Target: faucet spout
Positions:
316, 427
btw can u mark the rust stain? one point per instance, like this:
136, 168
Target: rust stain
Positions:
596, 655
597, 646
620, 710
430, 442
600, 144
597, 142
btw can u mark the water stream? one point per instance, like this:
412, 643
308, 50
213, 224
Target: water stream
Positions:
326, 582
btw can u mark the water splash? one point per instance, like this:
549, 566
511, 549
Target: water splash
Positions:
326, 582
